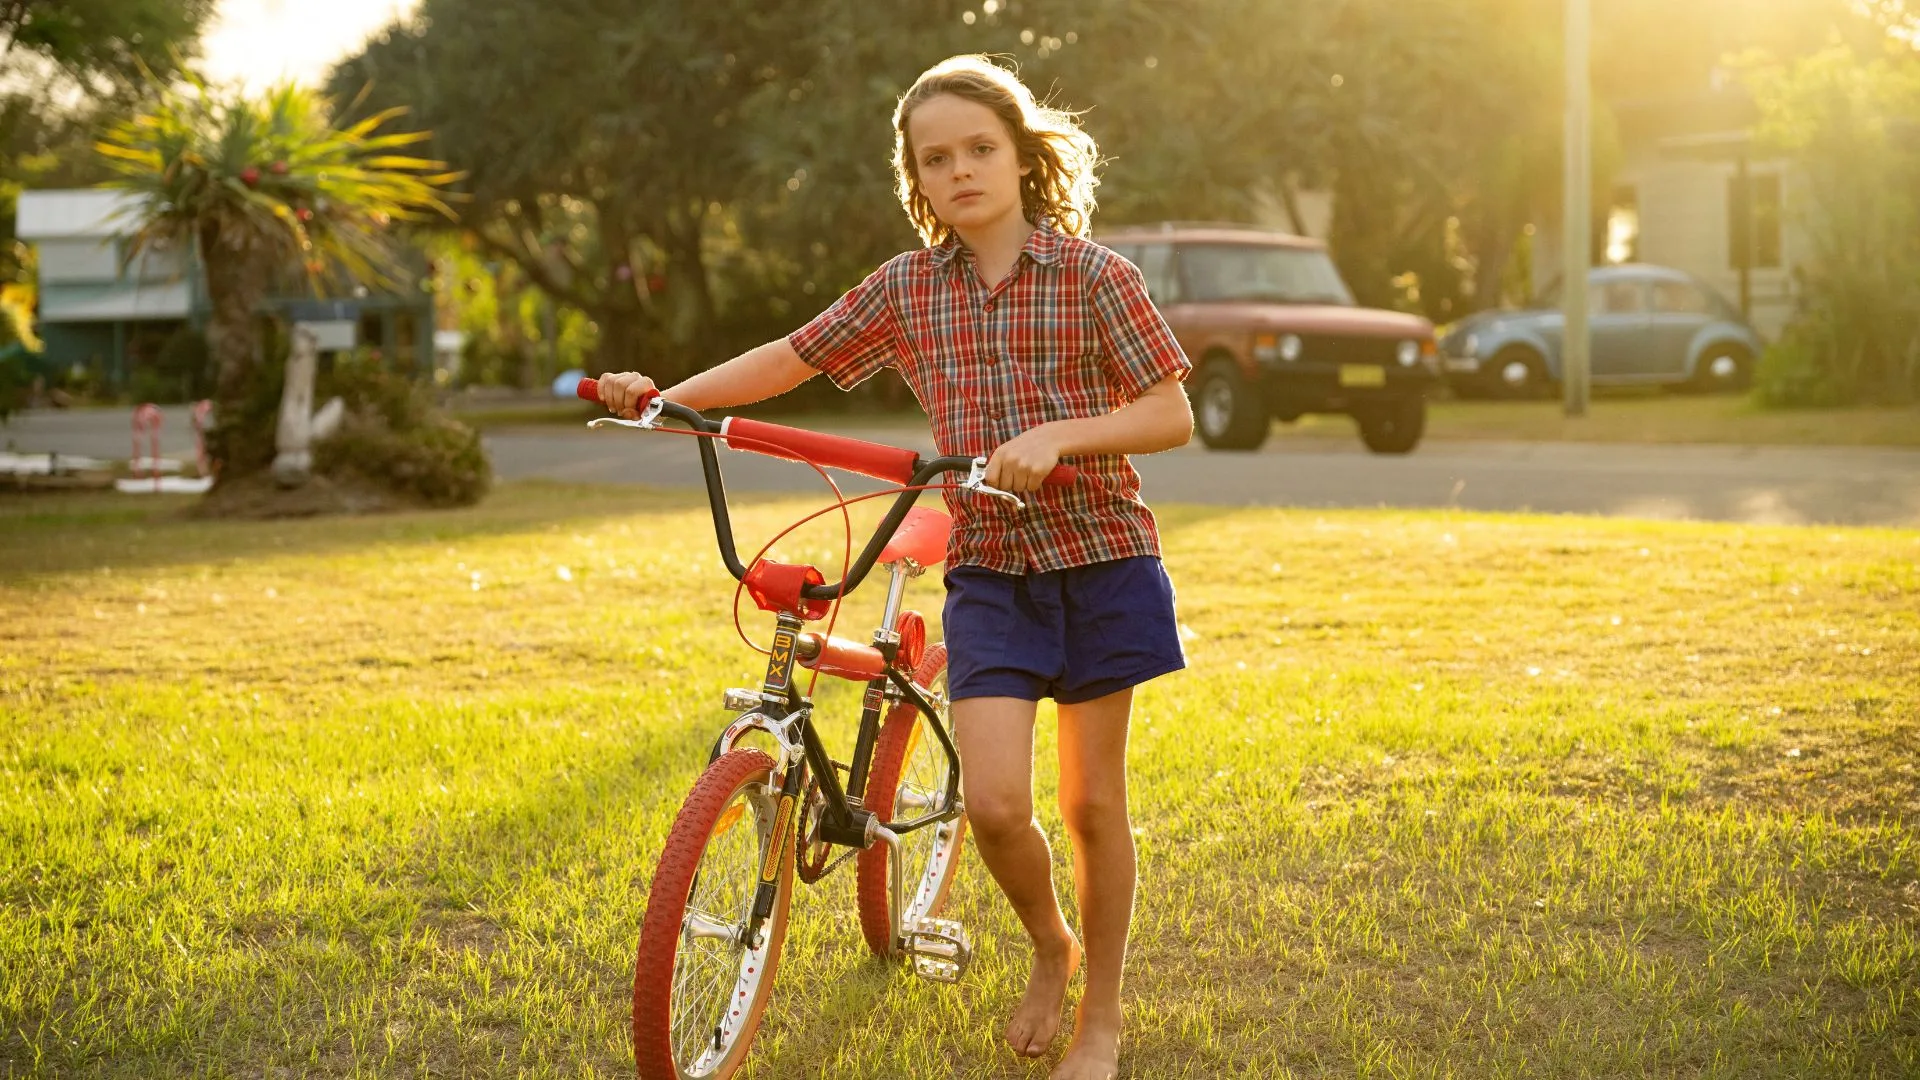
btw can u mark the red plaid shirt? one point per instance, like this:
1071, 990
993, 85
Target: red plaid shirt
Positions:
1068, 333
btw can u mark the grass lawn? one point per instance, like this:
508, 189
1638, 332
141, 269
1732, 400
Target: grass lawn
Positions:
1442, 794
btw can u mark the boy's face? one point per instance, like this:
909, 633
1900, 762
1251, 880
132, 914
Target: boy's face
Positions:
966, 162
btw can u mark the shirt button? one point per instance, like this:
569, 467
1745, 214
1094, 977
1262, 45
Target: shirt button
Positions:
988, 306
993, 358
997, 414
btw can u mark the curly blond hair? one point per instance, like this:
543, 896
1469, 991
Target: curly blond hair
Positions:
1061, 158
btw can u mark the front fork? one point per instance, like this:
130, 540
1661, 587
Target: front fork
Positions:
777, 693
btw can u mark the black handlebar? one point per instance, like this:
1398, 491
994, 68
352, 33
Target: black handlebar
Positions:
923, 471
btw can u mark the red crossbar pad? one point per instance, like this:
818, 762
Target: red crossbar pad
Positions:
1062, 476
847, 660
796, 444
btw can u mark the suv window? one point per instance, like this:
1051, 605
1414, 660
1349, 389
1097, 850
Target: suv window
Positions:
1263, 272
1156, 264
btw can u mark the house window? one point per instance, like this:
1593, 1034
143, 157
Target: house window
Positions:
1623, 226
1753, 221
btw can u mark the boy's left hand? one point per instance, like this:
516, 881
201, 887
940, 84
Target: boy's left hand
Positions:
1021, 463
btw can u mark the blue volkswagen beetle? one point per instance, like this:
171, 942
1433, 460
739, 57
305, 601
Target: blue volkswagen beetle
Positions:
1650, 325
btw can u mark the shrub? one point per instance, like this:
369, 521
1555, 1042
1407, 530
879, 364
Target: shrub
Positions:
1797, 370
15, 380
393, 436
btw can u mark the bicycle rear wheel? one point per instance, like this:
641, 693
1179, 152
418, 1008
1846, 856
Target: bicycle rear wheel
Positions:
699, 986
909, 780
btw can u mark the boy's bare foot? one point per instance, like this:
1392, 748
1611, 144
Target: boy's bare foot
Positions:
1036, 1020
1094, 1053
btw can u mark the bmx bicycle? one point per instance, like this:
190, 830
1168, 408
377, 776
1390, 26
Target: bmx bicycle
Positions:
716, 916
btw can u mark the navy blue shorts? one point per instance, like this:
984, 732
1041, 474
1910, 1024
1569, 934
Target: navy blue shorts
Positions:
1072, 635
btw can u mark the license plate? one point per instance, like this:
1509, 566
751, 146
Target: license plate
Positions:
1362, 375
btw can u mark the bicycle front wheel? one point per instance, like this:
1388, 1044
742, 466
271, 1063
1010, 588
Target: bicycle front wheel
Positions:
909, 780
701, 980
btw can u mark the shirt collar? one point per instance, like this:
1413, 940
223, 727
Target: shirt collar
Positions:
1042, 246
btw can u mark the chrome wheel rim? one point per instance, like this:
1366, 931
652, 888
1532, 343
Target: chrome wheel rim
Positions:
1216, 406
1516, 373
1723, 367
716, 976
922, 790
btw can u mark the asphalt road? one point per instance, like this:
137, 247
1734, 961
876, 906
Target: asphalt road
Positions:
1760, 485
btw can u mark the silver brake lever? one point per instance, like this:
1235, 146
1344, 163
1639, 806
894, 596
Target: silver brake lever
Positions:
648, 416
977, 481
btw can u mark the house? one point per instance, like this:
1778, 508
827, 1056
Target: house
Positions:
96, 310
109, 315
1694, 191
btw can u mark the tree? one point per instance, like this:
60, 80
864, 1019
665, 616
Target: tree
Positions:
1852, 127
603, 144
67, 67
263, 189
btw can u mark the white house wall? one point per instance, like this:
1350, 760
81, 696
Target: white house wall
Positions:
82, 260
1683, 224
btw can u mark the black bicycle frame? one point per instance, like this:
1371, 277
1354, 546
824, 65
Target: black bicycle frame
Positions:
841, 821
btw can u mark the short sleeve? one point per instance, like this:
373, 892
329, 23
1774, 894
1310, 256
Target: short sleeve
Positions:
1138, 349
855, 337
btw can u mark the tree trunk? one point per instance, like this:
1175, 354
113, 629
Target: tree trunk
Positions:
1493, 244
620, 347
235, 288
687, 273
241, 441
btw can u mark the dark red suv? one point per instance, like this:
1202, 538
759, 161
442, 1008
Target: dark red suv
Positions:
1274, 332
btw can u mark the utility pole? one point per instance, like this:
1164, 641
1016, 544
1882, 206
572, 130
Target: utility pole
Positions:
1576, 344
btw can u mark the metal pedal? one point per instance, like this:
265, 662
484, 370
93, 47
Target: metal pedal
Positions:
940, 949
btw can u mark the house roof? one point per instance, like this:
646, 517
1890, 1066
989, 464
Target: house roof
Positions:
166, 300
74, 212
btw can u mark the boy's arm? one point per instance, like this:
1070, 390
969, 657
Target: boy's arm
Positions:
1159, 419
755, 375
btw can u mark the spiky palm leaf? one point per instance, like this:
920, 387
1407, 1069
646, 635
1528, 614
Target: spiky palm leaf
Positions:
264, 186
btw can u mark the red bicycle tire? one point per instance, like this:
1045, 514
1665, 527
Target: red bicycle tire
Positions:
661, 930
874, 886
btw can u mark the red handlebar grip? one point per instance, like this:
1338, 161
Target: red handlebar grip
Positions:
797, 444
1062, 476
589, 390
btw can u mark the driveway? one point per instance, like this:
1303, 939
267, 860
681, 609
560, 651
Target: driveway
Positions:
1754, 484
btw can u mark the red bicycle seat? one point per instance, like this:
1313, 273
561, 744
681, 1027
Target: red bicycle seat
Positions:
922, 537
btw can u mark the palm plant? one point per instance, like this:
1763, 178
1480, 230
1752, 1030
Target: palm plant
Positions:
263, 188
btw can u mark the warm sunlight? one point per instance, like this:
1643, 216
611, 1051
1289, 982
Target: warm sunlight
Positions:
259, 42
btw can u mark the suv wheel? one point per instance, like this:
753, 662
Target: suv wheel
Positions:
1231, 415
1393, 426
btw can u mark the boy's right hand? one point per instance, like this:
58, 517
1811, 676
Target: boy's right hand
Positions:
621, 393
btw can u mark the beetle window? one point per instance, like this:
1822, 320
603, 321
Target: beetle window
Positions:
1616, 298
1680, 298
